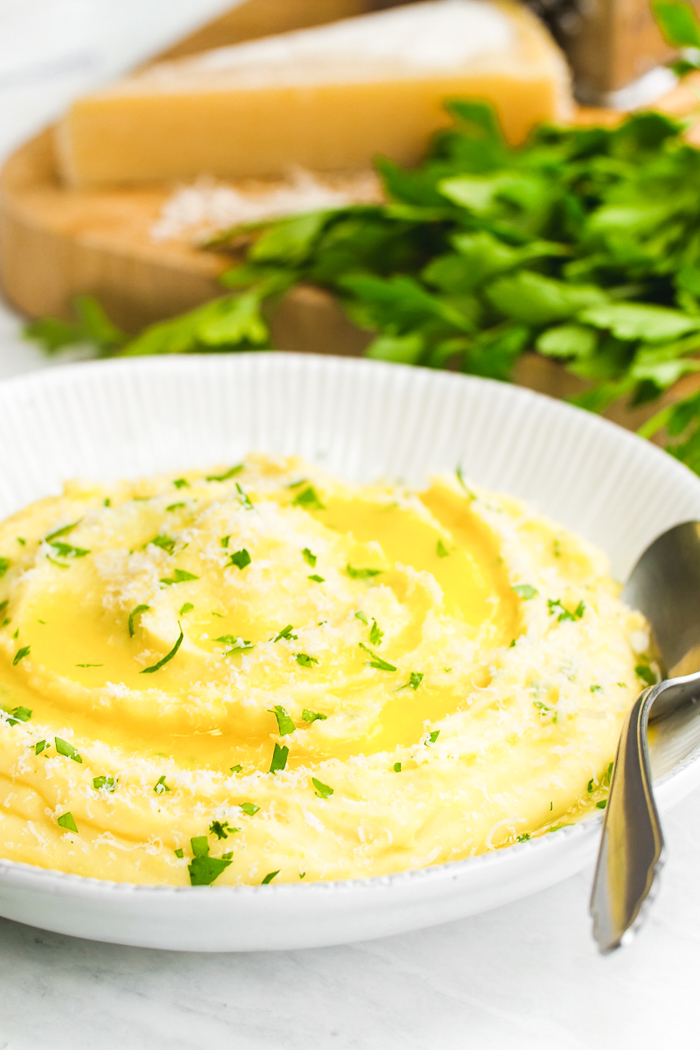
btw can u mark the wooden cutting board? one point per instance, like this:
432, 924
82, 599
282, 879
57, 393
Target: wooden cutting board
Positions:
56, 242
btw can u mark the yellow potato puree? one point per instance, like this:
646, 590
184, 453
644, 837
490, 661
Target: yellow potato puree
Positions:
266, 673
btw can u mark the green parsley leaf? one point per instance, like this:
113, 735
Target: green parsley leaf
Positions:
304, 660
238, 645
442, 551
220, 830
602, 804
89, 665
4, 565
19, 714
240, 559
58, 564
564, 614
166, 543
179, 576
523, 838
20, 654
40, 746
308, 499
66, 821
397, 767
279, 759
224, 540
525, 590
312, 716
187, 607
362, 574
249, 808
269, 877
226, 475
415, 680
243, 499
205, 869
285, 633
237, 768
596, 688
284, 722
66, 550
67, 750
22, 542
322, 790
133, 614
646, 674
361, 616
179, 853
167, 658
309, 558
3, 606
63, 531
432, 737
589, 789
375, 635
317, 579
175, 506
181, 483
108, 783
160, 787
377, 661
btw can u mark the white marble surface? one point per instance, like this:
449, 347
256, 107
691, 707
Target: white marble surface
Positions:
525, 977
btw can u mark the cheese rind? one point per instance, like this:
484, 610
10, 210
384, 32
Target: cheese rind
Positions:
328, 98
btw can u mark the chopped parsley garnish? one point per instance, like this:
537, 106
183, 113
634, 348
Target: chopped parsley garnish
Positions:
311, 716
187, 607
415, 680
133, 614
279, 759
249, 808
564, 614
523, 838
179, 576
63, 531
89, 665
221, 830
646, 674
228, 474
375, 635
19, 714
362, 574
205, 869
397, 767
167, 658
304, 660
269, 877
526, 591
66, 821
20, 654
308, 499
240, 559
432, 737
302, 874
309, 558
361, 616
179, 853
284, 722
40, 746
3, 605
106, 783
4, 565
589, 789
376, 661
602, 804
22, 542
285, 633
66, 749
160, 787
238, 645
237, 768
166, 543
317, 579
460, 479
16, 634
243, 498
181, 483
596, 689
442, 551
175, 506
224, 540
58, 564
607, 775
67, 550
322, 790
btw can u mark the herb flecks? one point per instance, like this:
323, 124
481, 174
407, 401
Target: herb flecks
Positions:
285, 725
525, 591
105, 783
321, 790
308, 499
132, 617
231, 473
304, 660
204, 869
309, 558
285, 634
375, 634
376, 660
241, 559
362, 574
160, 787
66, 821
557, 609
312, 716
168, 656
279, 759
21, 654
179, 576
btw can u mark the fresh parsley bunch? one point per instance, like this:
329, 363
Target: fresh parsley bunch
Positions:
583, 245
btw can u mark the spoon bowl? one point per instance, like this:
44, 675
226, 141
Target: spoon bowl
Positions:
665, 587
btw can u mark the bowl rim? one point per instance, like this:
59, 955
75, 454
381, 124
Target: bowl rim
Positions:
68, 883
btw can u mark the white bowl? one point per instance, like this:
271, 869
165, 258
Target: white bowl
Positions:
361, 419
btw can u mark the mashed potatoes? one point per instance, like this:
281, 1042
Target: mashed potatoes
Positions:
262, 672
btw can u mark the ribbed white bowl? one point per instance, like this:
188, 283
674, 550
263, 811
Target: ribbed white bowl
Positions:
363, 420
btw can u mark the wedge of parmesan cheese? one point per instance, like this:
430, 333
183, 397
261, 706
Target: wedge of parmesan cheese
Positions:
328, 98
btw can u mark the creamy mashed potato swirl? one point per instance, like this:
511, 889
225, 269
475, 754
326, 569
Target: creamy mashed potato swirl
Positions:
264, 672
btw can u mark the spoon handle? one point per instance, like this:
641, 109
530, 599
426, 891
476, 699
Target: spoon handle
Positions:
631, 846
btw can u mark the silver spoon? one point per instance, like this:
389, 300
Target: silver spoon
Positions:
665, 587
